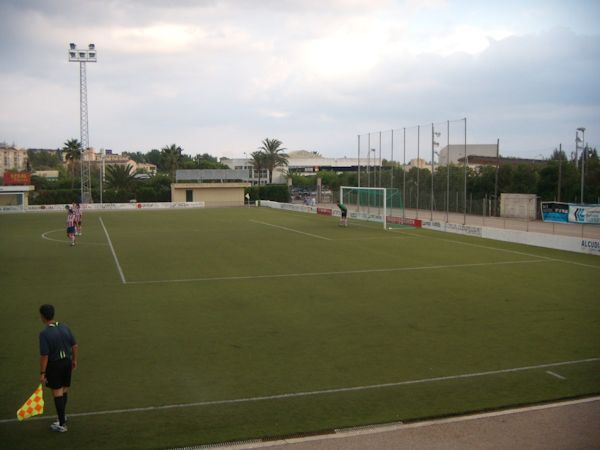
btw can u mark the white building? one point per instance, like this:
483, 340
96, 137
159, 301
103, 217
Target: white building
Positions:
114, 159
456, 151
12, 158
300, 162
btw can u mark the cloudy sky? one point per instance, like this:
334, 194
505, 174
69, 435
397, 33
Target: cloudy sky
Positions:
218, 76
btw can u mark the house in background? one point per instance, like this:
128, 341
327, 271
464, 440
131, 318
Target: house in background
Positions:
12, 158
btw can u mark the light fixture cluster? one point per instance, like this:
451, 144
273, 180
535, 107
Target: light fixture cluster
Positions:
82, 55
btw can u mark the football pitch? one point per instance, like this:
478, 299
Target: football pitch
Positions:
211, 325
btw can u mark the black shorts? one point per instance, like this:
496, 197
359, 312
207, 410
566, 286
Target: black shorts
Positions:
344, 214
58, 374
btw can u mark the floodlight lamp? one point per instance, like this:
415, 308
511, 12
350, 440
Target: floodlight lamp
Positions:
92, 55
92, 46
72, 46
72, 54
82, 54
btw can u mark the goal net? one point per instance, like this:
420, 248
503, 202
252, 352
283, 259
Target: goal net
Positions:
373, 204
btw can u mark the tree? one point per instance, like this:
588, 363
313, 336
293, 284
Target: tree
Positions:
525, 179
153, 157
120, 178
273, 155
259, 162
558, 155
592, 177
72, 151
138, 157
170, 159
206, 161
43, 159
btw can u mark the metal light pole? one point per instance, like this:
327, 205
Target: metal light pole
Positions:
496, 177
392, 161
448, 174
83, 56
379, 185
559, 171
103, 155
369, 160
581, 140
418, 164
434, 143
358, 163
466, 164
404, 173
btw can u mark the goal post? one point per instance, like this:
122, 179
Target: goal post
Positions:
374, 204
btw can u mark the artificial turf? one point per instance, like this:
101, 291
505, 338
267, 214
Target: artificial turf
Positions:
250, 304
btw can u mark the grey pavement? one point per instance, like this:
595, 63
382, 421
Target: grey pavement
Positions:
562, 425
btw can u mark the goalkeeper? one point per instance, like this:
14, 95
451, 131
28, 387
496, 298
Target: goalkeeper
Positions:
344, 210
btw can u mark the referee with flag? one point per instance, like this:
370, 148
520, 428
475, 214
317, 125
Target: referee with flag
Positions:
58, 357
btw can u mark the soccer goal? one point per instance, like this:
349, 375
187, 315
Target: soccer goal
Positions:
373, 204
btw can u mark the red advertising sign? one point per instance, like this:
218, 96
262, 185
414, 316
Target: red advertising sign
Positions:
17, 178
324, 211
404, 221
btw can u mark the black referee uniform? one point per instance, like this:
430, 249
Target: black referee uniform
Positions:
56, 342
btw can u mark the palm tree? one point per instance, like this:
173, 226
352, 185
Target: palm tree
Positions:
259, 162
72, 151
273, 155
120, 178
170, 157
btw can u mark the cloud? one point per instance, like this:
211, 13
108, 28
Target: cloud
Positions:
220, 75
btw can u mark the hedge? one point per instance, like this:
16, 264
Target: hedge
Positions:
273, 192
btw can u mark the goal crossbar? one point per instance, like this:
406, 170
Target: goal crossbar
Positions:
370, 202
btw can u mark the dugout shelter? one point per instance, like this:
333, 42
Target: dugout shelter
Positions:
212, 194
15, 196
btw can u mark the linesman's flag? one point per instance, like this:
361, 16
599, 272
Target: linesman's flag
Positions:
33, 406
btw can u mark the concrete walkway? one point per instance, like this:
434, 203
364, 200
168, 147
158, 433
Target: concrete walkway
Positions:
563, 425
589, 231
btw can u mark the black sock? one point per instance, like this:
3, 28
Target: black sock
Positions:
59, 402
65, 402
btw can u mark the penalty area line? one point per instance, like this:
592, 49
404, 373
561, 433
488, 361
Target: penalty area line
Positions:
291, 229
319, 392
112, 249
342, 272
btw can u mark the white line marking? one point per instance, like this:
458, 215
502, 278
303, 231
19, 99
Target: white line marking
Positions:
574, 263
66, 241
401, 237
112, 249
560, 377
507, 251
321, 392
343, 272
290, 229
454, 241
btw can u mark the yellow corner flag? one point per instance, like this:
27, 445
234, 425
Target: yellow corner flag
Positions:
33, 406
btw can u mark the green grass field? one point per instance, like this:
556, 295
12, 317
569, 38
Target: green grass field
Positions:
230, 324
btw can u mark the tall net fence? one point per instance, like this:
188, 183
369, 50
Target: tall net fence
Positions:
426, 164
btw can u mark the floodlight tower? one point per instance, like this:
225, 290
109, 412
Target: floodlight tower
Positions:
83, 56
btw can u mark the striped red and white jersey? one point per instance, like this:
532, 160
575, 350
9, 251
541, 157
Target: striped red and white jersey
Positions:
71, 219
77, 212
